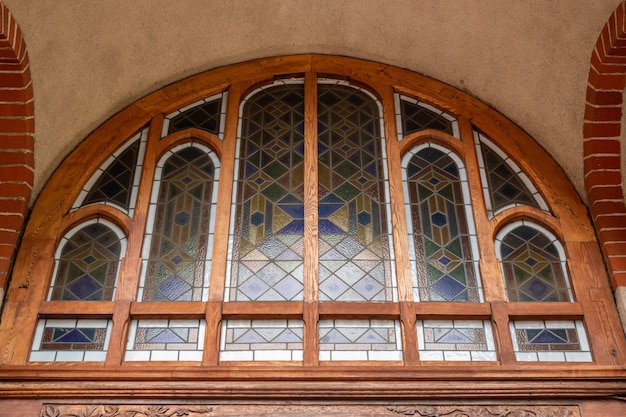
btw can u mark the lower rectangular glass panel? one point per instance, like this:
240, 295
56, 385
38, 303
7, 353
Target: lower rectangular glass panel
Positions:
262, 340
550, 341
165, 340
360, 340
70, 340
455, 340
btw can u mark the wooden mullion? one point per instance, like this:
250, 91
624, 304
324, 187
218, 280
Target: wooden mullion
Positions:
443, 310
262, 310
545, 311
311, 233
164, 309
84, 309
359, 310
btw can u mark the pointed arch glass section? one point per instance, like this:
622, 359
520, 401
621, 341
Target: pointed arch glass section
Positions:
87, 263
266, 258
354, 229
504, 183
207, 114
178, 241
533, 264
413, 116
442, 237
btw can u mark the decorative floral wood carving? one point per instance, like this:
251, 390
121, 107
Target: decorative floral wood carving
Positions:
51, 410
485, 411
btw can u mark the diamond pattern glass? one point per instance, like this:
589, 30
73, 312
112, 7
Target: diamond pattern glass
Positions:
87, 265
176, 267
441, 239
455, 340
416, 117
354, 241
355, 340
70, 340
550, 341
205, 116
262, 340
266, 259
532, 266
166, 340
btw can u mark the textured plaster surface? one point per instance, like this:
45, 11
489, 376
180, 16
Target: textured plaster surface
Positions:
91, 58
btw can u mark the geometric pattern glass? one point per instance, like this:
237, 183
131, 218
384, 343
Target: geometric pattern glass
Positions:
416, 117
205, 116
266, 263
116, 182
360, 340
456, 340
70, 340
532, 267
354, 241
556, 341
441, 239
165, 340
506, 185
175, 270
87, 265
262, 340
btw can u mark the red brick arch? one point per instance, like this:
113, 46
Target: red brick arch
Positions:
602, 130
16, 138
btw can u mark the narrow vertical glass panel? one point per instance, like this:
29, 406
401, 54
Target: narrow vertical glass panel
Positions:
115, 182
360, 340
70, 340
87, 263
266, 256
205, 114
533, 264
354, 240
165, 340
555, 341
455, 340
180, 222
415, 116
504, 183
440, 229
262, 340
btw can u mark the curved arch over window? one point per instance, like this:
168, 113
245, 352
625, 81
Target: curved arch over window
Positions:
298, 174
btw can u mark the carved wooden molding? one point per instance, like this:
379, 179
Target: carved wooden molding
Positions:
485, 411
53, 410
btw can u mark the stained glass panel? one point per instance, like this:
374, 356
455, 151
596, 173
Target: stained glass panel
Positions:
87, 263
505, 184
181, 221
165, 340
266, 257
414, 116
359, 340
455, 340
441, 232
354, 240
206, 114
533, 265
262, 340
70, 340
550, 341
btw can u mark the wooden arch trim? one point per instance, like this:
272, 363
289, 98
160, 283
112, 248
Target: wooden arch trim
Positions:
17, 127
602, 130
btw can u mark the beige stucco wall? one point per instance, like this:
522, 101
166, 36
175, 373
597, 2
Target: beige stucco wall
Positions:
91, 58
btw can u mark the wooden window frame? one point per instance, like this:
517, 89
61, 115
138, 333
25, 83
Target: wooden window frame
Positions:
53, 216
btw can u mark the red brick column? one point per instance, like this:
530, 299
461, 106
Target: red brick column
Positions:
602, 130
16, 139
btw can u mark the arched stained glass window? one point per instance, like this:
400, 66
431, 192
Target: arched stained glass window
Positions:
177, 246
441, 230
354, 240
533, 264
87, 262
266, 257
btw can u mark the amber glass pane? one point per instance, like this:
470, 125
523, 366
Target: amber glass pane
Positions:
532, 267
116, 182
443, 255
353, 237
266, 262
205, 116
176, 267
87, 267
